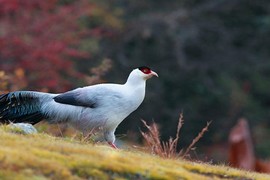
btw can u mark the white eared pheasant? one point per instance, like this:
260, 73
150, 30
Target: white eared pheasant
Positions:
101, 106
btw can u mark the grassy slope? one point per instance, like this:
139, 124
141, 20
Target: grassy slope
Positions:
41, 156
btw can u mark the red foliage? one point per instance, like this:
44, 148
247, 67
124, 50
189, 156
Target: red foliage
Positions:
262, 166
241, 152
43, 38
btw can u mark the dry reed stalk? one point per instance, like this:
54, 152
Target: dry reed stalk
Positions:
196, 139
168, 149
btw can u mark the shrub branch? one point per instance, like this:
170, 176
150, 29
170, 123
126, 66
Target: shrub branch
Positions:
168, 149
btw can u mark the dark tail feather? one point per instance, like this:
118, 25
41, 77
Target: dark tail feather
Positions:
20, 106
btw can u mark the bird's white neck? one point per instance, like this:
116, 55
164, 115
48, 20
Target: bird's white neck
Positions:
135, 80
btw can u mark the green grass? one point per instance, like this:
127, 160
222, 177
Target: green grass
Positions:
41, 156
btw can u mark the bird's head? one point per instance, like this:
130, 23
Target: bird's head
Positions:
141, 74
145, 72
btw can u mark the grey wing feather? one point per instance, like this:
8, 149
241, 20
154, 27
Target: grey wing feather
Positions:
91, 96
76, 97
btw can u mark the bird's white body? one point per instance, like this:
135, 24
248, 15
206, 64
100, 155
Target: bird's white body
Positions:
97, 107
118, 101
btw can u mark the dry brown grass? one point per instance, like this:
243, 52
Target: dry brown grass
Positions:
168, 149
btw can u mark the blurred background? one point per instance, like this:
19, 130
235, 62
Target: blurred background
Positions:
212, 57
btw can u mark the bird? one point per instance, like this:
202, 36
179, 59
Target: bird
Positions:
101, 106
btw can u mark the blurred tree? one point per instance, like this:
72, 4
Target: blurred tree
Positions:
44, 38
212, 58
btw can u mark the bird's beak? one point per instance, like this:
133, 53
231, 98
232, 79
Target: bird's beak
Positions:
154, 73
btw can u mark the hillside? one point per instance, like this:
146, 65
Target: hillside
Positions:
41, 156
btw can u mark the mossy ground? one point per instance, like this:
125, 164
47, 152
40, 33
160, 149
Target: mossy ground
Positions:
41, 156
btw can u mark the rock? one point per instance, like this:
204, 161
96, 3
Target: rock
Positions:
24, 127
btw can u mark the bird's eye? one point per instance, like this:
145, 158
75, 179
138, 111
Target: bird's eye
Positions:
145, 70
